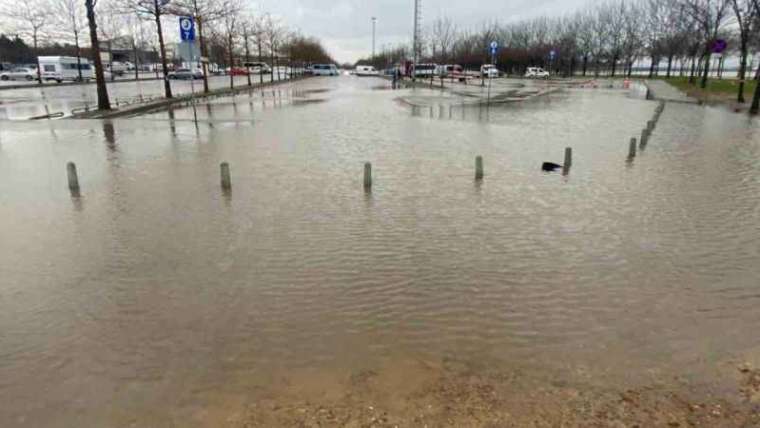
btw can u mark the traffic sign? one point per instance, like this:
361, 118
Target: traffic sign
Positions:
718, 46
186, 28
494, 47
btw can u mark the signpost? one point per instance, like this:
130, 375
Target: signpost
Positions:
717, 47
552, 55
494, 48
187, 35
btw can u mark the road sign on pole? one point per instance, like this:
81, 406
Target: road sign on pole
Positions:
718, 46
494, 48
186, 28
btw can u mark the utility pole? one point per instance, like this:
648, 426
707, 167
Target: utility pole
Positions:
374, 21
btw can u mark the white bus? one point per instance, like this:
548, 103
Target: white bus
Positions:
60, 68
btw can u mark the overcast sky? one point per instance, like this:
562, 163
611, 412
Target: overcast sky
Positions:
345, 28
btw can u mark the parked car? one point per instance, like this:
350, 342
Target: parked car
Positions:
449, 70
536, 73
425, 70
19, 73
118, 68
60, 68
324, 70
185, 74
258, 67
452, 71
489, 71
238, 71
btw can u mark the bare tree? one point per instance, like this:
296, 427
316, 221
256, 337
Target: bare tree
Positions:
755, 109
31, 16
248, 30
153, 10
710, 15
231, 22
205, 13
273, 33
443, 32
747, 20
71, 14
103, 102
112, 27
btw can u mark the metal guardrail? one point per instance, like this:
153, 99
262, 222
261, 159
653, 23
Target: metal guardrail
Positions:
120, 102
47, 116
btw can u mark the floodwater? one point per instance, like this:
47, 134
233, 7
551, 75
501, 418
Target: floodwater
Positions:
156, 299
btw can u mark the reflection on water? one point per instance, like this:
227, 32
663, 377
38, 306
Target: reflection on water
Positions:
158, 297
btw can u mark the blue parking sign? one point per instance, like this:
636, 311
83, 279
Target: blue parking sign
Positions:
186, 28
494, 47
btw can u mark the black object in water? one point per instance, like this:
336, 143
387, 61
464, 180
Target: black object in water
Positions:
550, 166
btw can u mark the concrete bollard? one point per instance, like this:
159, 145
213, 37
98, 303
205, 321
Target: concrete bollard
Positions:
71, 171
644, 137
632, 149
479, 168
225, 173
568, 160
367, 176
650, 125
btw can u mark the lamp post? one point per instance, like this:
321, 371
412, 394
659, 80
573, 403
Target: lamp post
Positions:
374, 21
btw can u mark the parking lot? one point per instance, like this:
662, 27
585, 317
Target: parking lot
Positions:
24, 103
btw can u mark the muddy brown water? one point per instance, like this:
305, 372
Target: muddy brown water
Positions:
156, 299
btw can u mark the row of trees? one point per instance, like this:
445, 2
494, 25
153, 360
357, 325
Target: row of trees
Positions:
227, 32
608, 38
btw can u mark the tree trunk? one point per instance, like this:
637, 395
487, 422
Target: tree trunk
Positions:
137, 62
204, 54
247, 59
37, 59
692, 74
110, 61
261, 69
103, 101
706, 71
79, 53
755, 101
162, 47
670, 66
651, 68
585, 64
232, 64
742, 68
614, 65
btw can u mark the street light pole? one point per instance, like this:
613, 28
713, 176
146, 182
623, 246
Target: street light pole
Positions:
374, 20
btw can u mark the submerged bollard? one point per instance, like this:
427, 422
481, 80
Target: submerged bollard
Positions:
632, 149
225, 173
71, 171
568, 160
644, 137
479, 168
367, 176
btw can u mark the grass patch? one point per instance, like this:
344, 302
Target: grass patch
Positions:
720, 88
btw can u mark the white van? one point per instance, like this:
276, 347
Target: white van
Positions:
60, 68
365, 70
536, 73
324, 70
